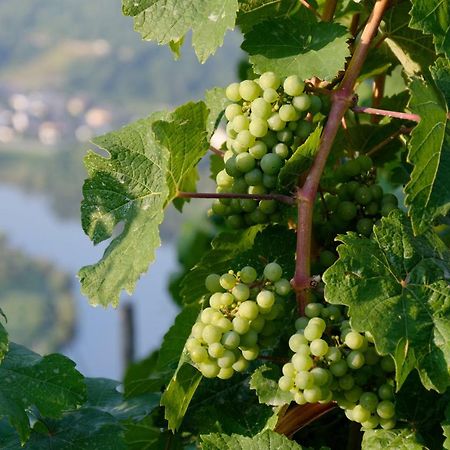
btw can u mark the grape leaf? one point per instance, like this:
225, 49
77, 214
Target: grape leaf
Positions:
298, 45
252, 12
414, 50
4, 343
428, 191
49, 383
446, 428
145, 169
433, 17
268, 440
401, 439
264, 381
166, 21
300, 161
400, 294
216, 164
215, 102
441, 76
179, 392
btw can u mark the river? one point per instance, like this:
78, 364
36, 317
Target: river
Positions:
30, 225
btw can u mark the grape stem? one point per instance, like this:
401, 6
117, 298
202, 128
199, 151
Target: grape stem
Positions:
310, 7
217, 151
384, 142
278, 197
329, 10
341, 101
385, 112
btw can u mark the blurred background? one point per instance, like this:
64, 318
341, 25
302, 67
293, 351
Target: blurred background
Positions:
70, 70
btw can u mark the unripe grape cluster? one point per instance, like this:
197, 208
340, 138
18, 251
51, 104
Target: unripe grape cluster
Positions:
333, 362
242, 311
267, 122
354, 203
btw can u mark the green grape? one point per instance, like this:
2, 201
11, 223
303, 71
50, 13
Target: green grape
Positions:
212, 283
269, 181
248, 310
232, 92
225, 373
197, 330
258, 216
377, 191
353, 394
265, 299
253, 178
288, 113
282, 150
371, 356
241, 292
360, 414
363, 195
258, 324
316, 104
245, 162
210, 315
270, 95
352, 187
386, 409
387, 364
283, 287
238, 148
248, 205
240, 123
313, 310
332, 312
303, 349
216, 350
269, 80
245, 138
258, 127
248, 274
389, 199
304, 380
249, 339
216, 300
365, 162
227, 360
228, 281
198, 354
268, 206
235, 206
258, 150
312, 395
261, 108
211, 334
386, 209
302, 362
285, 383
318, 347
332, 201
351, 168
299, 398
339, 368
240, 365
250, 353
249, 90
385, 392
223, 179
346, 211
371, 209
271, 164
369, 400
364, 226
355, 359
224, 325
233, 110
273, 271
231, 339
387, 424
285, 135
301, 323
289, 370
327, 258
209, 369
296, 340
304, 129
370, 423
354, 340
231, 169
313, 332
346, 382
333, 354
275, 122
321, 376
239, 187
293, 85
302, 102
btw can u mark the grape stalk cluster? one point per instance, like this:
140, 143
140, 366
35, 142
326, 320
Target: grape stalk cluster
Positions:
333, 362
243, 308
268, 119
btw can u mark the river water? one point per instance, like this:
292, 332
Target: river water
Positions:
30, 225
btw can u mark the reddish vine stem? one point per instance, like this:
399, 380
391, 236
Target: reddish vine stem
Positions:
385, 112
329, 10
278, 197
217, 151
306, 194
384, 142
310, 7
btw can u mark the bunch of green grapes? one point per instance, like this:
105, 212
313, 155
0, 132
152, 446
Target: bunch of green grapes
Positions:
242, 309
355, 203
333, 362
268, 119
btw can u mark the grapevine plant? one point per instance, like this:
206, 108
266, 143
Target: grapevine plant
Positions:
319, 316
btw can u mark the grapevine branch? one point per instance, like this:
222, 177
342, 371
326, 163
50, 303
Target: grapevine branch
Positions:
384, 112
306, 194
277, 197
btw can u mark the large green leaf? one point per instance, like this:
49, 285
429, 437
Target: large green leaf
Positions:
396, 287
414, 50
166, 21
298, 45
252, 12
300, 161
268, 440
264, 381
446, 428
433, 17
50, 383
401, 439
428, 191
145, 169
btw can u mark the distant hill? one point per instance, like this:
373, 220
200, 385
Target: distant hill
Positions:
88, 46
